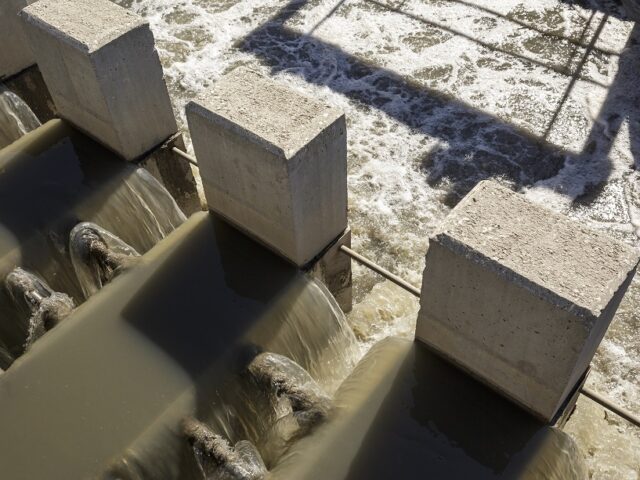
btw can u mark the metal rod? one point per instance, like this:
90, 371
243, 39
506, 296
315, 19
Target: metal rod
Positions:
189, 158
606, 403
378, 269
596, 397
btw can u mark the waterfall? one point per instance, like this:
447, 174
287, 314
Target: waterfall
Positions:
316, 349
16, 118
53, 179
98, 256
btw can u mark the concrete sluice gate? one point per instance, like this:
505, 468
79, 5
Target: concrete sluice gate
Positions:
214, 358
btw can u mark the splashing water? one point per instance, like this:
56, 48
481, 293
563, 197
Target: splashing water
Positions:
16, 118
98, 256
439, 95
218, 459
43, 307
52, 179
310, 346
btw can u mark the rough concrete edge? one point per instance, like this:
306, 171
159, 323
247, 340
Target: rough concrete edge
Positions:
322, 126
198, 107
316, 268
442, 237
510, 275
201, 102
28, 16
291, 155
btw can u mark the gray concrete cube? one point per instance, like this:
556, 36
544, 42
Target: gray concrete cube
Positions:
15, 53
520, 296
100, 64
273, 162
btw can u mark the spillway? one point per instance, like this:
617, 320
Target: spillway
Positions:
53, 178
111, 384
104, 394
182, 349
405, 413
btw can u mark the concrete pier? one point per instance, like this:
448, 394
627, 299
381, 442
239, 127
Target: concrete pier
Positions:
273, 162
15, 52
101, 67
519, 296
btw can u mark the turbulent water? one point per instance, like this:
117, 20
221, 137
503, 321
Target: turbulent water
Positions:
16, 118
441, 94
208, 325
53, 179
315, 349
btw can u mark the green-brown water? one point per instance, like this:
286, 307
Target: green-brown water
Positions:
103, 395
405, 413
51, 179
165, 340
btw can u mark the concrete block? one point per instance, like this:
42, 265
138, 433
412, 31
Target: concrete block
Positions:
15, 52
273, 162
519, 296
333, 268
103, 72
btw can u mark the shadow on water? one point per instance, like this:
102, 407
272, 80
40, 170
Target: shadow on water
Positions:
473, 145
438, 421
406, 413
228, 289
507, 152
165, 340
52, 179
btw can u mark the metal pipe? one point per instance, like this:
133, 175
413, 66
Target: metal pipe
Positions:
189, 158
378, 269
606, 403
596, 397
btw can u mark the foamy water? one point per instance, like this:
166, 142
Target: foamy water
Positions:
441, 94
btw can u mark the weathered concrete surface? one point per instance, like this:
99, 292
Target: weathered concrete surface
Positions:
15, 53
520, 296
273, 162
333, 268
103, 72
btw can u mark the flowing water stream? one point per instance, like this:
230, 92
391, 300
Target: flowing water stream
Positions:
16, 118
51, 180
197, 328
438, 95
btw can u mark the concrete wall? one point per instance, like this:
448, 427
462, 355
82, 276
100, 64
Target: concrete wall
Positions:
273, 162
15, 52
519, 296
101, 67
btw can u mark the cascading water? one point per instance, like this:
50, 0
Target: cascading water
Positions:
98, 256
440, 95
16, 118
221, 461
53, 179
43, 307
209, 327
